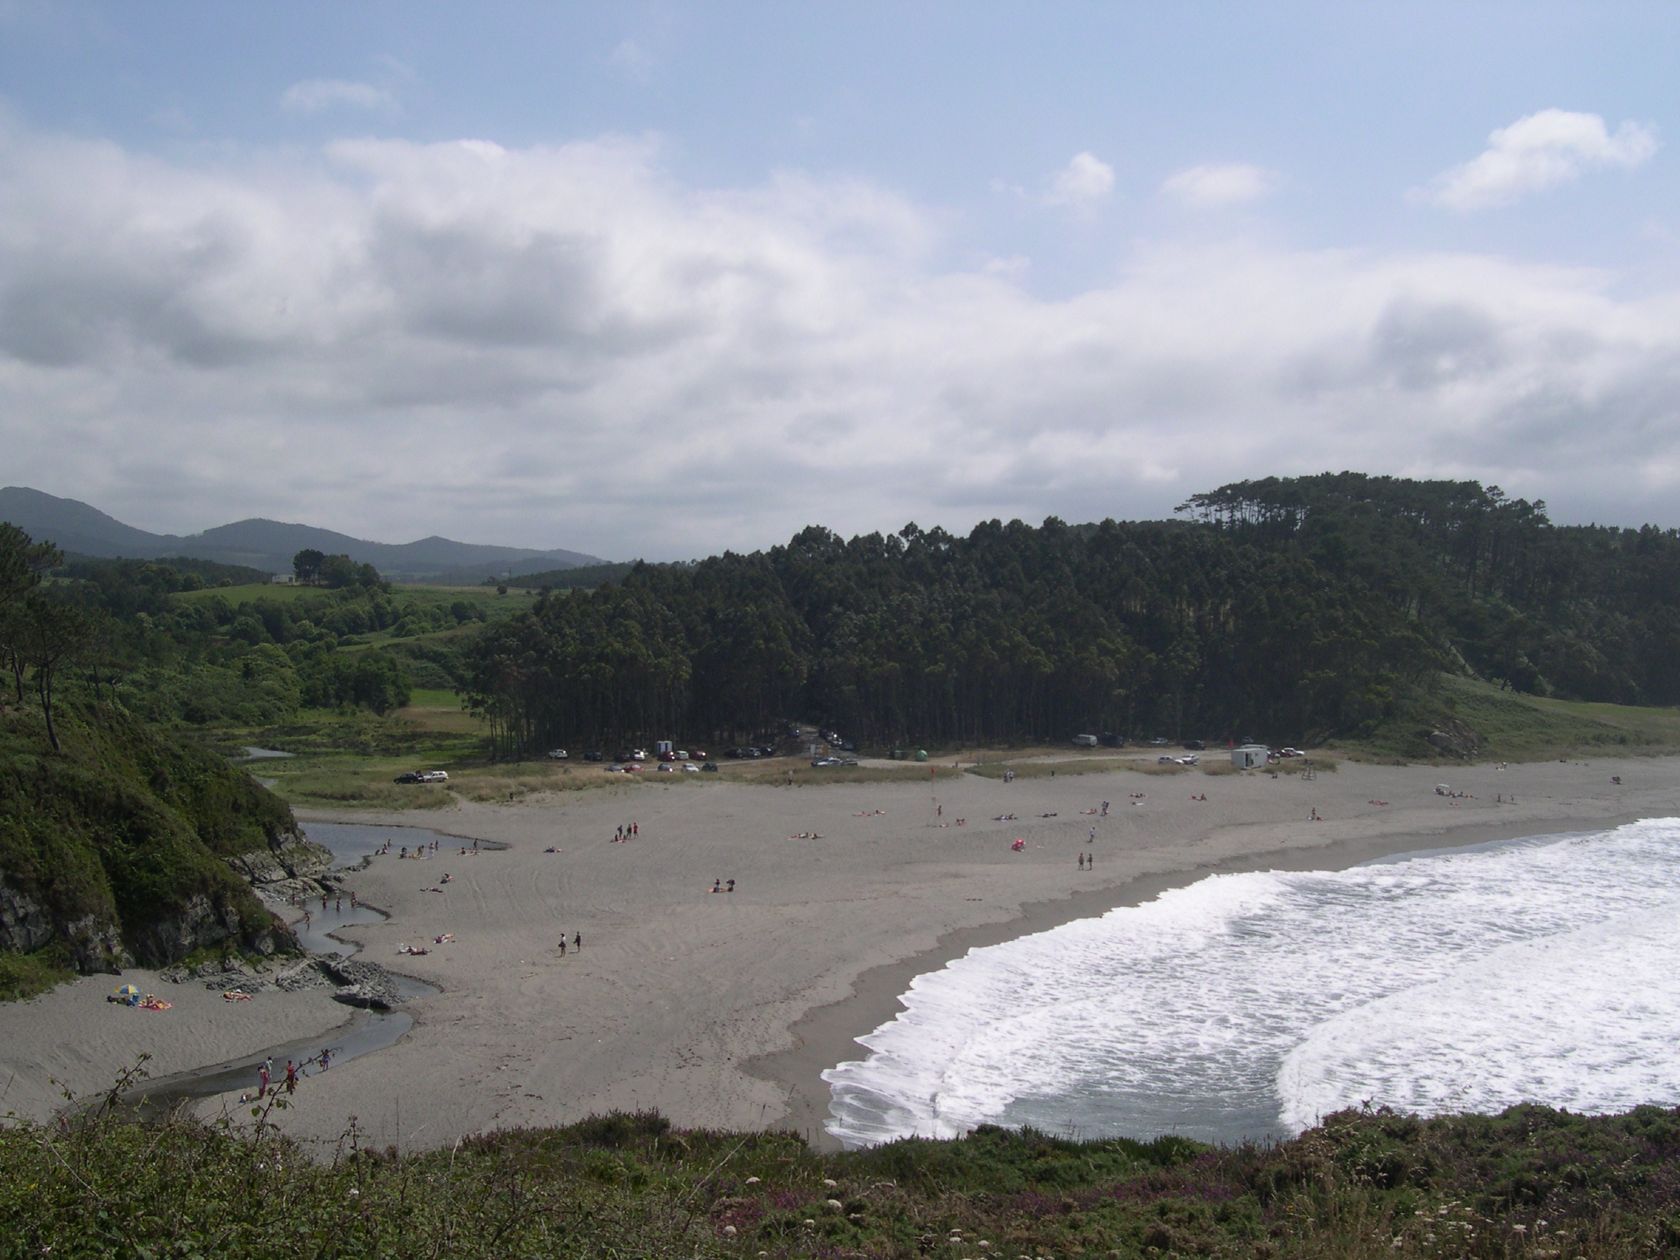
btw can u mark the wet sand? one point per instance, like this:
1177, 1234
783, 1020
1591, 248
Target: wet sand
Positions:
722, 1009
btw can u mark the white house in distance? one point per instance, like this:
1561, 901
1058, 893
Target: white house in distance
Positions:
1250, 756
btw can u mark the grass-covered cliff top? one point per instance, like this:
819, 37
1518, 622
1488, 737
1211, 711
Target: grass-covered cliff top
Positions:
1528, 1183
119, 832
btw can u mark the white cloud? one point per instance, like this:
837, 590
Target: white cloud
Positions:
312, 96
567, 346
1215, 186
1080, 185
1537, 152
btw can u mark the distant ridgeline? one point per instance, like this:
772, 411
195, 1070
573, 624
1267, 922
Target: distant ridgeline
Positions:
127, 846
1298, 608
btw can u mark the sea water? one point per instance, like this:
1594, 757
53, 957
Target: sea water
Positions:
1249, 1006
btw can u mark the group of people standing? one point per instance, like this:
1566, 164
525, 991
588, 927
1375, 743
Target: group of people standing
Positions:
289, 1082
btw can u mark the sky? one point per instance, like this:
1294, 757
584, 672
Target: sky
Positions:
661, 281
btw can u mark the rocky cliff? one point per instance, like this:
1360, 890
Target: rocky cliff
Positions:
132, 846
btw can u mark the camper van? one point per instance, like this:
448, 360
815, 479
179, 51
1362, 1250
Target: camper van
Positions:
1085, 741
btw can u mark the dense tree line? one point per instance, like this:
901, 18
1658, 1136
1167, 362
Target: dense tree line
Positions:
122, 626
1287, 608
1586, 612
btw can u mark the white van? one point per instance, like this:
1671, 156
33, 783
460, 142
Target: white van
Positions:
1085, 741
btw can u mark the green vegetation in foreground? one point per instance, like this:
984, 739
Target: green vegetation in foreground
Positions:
1530, 1182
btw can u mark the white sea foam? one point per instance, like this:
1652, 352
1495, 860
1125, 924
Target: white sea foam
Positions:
1251, 1005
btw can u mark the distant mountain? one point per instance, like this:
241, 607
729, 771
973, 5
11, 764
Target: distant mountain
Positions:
269, 545
74, 526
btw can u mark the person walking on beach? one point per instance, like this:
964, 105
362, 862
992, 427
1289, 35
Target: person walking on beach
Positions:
291, 1077
577, 941
562, 946
263, 1070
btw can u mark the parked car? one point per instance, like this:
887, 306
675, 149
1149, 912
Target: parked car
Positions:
558, 754
434, 776
1191, 760
408, 776
690, 768
710, 767
1194, 745
825, 761
1166, 761
594, 754
1291, 752
665, 767
1160, 741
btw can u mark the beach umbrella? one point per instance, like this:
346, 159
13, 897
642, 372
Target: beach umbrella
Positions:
128, 993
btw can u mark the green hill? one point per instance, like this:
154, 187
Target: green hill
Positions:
129, 846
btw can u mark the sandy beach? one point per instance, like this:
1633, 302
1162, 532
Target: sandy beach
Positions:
721, 1009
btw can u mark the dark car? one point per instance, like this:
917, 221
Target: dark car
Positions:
408, 776
710, 767
594, 754
1194, 745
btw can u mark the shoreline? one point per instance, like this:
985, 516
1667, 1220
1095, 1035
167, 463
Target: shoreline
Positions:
722, 1011
829, 1034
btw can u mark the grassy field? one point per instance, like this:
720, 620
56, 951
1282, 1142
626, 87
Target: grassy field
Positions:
484, 597
350, 760
1508, 726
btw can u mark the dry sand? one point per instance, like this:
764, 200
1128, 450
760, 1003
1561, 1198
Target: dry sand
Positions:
722, 1009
